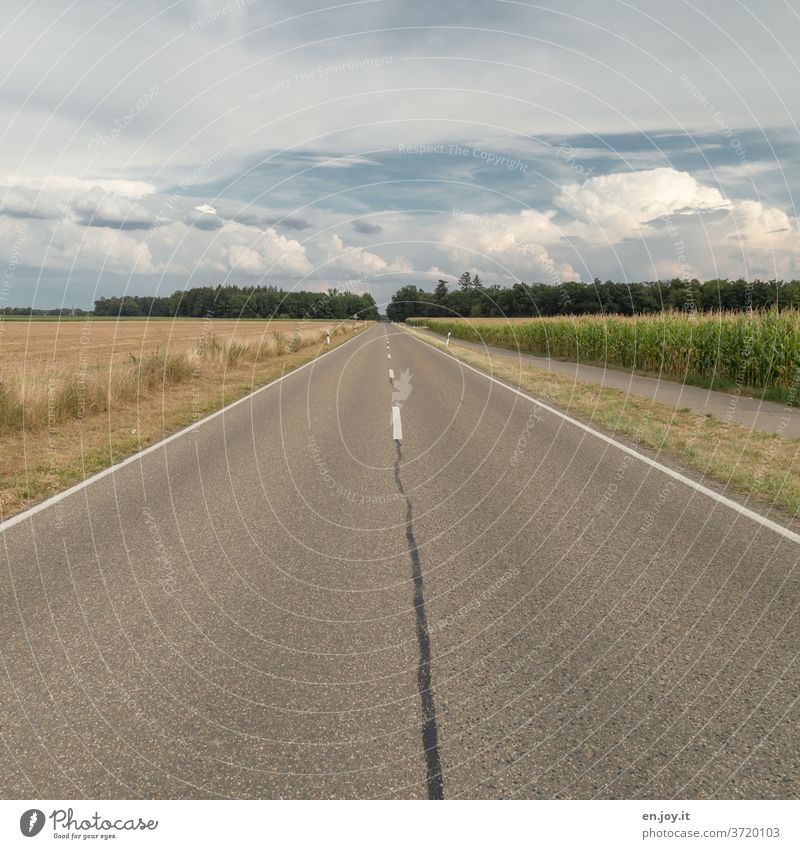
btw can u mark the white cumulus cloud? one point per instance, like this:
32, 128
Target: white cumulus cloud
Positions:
517, 243
613, 206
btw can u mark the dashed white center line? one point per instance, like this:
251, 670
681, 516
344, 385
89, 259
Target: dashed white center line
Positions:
388, 356
391, 374
397, 425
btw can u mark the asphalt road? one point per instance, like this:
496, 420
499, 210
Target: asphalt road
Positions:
288, 601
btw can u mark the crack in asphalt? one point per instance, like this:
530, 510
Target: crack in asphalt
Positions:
430, 734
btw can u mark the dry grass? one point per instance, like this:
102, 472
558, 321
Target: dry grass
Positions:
69, 408
760, 465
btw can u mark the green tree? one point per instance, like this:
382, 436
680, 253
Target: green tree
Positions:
407, 301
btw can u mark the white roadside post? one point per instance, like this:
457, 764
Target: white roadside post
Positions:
447, 343
328, 336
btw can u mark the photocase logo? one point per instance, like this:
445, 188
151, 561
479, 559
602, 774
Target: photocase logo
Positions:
402, 388
31, 822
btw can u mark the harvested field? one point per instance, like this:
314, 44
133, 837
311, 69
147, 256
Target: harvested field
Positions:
78, 395
98, 342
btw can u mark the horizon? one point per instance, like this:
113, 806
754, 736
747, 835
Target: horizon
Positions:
453, 288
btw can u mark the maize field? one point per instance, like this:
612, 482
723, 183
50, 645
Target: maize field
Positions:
758, 350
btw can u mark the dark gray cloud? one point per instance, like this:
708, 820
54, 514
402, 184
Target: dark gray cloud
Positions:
93, 218
23, 212
285, 222
105, 209
115, 223
366, 227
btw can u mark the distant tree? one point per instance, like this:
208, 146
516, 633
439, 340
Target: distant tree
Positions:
472, 298
129, 307
405, 302
244, 302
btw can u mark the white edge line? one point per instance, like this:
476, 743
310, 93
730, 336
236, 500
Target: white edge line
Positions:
722, 499
397, 425
60, 496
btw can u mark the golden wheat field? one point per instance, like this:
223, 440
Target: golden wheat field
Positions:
77, 395
52, 371
98, 342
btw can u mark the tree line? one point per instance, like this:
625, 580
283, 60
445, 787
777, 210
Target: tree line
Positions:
470, 297
242, 302
61, 311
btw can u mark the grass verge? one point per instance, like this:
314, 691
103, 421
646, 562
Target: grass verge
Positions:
759, 465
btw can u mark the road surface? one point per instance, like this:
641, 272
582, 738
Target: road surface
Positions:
348, 586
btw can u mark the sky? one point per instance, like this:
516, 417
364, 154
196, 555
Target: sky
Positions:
152, 146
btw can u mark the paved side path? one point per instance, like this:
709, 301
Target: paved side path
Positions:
750, 412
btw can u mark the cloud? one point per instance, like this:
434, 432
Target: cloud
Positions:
259, 219
92, 236
66, 186
618, 205
102, 208
346, 160
366, 227
21, 202
100, 248
204, 217
358, 260
761, 224
517, 243
94, 203
257, 253
769, 238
